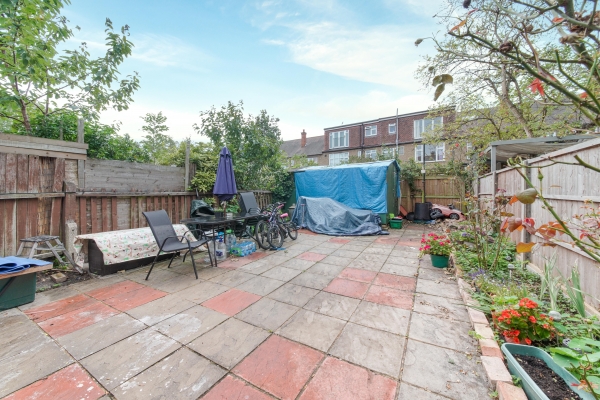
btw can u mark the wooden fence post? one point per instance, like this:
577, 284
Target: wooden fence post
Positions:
187, 167
69, 215
81, 163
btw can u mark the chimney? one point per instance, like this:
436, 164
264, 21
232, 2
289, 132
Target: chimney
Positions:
303, 140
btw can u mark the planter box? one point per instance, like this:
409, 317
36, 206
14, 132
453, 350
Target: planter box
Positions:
21, 291
531, 388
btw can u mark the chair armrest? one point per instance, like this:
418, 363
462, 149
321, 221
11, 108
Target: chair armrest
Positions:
176, 237
202, 233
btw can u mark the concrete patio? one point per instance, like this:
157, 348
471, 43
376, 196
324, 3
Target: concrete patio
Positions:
328, 318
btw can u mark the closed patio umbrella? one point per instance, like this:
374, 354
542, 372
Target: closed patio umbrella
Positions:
225, 187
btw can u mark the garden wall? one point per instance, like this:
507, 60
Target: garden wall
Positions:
566, 187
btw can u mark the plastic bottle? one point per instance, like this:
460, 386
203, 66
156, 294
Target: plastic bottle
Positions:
229, 240
220, 248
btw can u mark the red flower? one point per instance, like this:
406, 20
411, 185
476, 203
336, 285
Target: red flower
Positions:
527, 340
532, 319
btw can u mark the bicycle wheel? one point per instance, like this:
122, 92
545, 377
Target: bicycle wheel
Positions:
274, 237
292, 230
260, 232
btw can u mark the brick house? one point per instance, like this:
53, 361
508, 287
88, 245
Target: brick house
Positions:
310, 147
397, 134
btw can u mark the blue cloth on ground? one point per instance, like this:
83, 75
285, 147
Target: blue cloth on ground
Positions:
330, 217
10, 265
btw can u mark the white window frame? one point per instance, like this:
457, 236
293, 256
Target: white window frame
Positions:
390, 130
312, 159
424, 125
335, 139
389, 152
370, 130
338, 158
438, 147
371, 153
400, 150
469, 149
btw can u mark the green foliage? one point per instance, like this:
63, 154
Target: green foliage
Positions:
156, 143
525, 323
38, 77
283, 187
254, 143
410, 171
582, 359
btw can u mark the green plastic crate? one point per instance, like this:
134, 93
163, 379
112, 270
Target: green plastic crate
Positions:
21, 291
396, 223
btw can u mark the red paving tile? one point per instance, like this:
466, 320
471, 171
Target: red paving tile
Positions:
68, 383
279, 366
312, 256
234, 389
387, 240
135, 298
340, 380
411, 243
339, 240
77, 319
390, 297
231, 302
60, 307
257, 255
348, 288
356, 274
113, 290
396, 282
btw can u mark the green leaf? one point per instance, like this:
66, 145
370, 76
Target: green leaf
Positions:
565, 362
565, 352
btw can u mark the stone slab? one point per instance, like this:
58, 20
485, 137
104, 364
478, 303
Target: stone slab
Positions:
311, 280
293, 294
182, 375
374, 266
371, 348
333, 305
301, 264
438, 288
260, 285
120, 362
336, 260
231, 302
94, 338
442, 332
382, 317
441, 307
234, 388
229, 343
407, 391
315, 330
267, 314
201, 292
403, 270
161, 309
281, 273
191, 323
232, 278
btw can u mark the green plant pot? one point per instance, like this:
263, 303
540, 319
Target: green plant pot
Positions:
529, 386
439, 261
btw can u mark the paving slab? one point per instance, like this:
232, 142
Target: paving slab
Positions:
234, 388
161, 309
311, 280
281, 273
260, 285
51, 296
279, 366
267, 314
371, 348
407, 391
360, 275
395, 269
257, 267
336, 260
157, 275
346, 287
176, 284
94, 338
191, 323
105, 292
441, 332
395, 282
201, 292
71, 382
299, 263
334, 305
182, 375
439, 288
97, 282
293, 294
29, 355
405, 254
337, 379
312, 256
56, 308
382, 317
120, 362
277, 258
441, 307
366, 265
436, 274
373, 258
232, 278
127, 301
77, 319
323, 250
326, 269
407, 262
315, 330
382, 251
390, 297
443, 371
347, 253
231, 302
230, 342
208, 273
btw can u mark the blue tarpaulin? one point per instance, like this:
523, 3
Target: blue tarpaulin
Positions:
360, 186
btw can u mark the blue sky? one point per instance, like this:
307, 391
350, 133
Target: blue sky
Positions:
311, 63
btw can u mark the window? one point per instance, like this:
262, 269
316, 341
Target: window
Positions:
371, 130
400, 150
312, 159
338, 139
388, 152
371, 154
392, 129
426, 125
338, 158
469, 150
432, 152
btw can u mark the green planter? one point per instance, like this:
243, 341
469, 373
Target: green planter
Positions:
439, 261
529, 386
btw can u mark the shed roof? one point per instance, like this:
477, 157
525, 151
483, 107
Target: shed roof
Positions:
366, 165
528, 148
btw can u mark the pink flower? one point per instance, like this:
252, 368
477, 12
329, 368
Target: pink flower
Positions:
427, 247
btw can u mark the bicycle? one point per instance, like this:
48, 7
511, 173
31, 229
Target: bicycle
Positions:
271, 231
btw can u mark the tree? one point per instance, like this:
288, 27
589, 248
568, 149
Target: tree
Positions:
515, 70
36, 76
156, 143
206, 158
254, 143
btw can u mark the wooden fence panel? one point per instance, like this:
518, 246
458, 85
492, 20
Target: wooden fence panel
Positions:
438, 189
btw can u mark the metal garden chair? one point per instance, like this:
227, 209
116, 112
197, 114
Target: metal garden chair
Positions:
169, 242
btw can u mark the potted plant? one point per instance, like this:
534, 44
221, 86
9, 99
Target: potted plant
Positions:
523, 323
438, 247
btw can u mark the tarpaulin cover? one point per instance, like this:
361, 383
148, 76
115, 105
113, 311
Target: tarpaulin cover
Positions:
361, 186
330, 217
